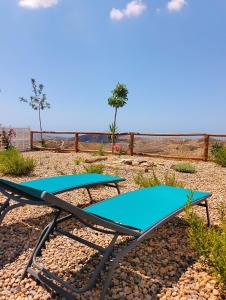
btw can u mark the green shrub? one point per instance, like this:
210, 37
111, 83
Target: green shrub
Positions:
220, 157
97, 168
208, 242
218, 151
216, 147
100, 150
153, 180
185, 168
172, 181
12, 162
78, 160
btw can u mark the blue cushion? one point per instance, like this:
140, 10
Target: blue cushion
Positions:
59, 184
144, 208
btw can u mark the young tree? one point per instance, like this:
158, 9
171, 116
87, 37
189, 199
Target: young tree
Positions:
38, 101
118, 99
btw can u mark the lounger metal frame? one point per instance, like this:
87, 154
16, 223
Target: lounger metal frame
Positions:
8, 205
54, 282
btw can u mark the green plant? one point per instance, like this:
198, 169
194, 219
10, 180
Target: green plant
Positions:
153, 180
208, 242
198, 233
100, 150
220, 157
185, 168
78, 160
113, 129
172, 181
218, 151
118, 99
216, 147
97, 168
121, 152
37, 102
12, 162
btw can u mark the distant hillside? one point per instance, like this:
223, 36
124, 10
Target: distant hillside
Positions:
94, 138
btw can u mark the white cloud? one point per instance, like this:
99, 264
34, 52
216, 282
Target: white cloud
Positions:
36, 4
116, 14
132, 9
176, 5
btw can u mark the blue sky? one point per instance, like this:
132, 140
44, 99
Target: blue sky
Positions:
171, 54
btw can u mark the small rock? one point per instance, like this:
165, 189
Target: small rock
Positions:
95, 159
216, 292
145, 164
127, 161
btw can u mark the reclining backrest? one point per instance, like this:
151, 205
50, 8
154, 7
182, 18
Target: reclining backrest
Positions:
17, 189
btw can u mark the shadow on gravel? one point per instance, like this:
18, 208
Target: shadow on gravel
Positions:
155, 264
15, 238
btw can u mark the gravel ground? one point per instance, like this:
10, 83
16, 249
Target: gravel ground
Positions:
163, 267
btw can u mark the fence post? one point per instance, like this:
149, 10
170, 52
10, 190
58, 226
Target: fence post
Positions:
131, 143
76, 142
31, 140
206, 147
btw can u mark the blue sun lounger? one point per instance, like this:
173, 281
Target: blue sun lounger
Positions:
54, 185
136, 214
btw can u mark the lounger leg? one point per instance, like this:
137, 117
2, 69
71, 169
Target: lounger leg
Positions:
89, 193
205, 204
44, 236
4, 205
6, 208
117, 188
108, 279
207, 213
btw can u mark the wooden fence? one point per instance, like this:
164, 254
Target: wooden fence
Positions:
132, 136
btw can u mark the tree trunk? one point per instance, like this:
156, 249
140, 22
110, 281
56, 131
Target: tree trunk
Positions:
113, 133
40, 123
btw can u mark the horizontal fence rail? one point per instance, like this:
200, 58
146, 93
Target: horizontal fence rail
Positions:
130, 139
